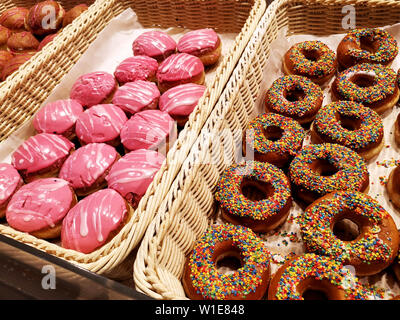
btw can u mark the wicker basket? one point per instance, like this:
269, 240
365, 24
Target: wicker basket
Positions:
189, 206
25, 91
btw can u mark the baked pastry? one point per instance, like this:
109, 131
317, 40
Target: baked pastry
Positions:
178, 69
5, 56
202, 43
396, 132
46, 40
10, 182
23, 42
136, 68
94, 88
39, 207
94, 221
155, 44
202, 279
88, 166
44, 18
181, 100
100, 123
14, 64
41, 156
392, 186
370, 249
311, 59
133, 173
135, 96
350, 124
58, 117
5, 34
74, 13
149, 129
367, 45
14, 18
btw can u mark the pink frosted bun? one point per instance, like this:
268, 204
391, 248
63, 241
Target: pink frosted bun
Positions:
93, 220
136, 68
93, 88
46, 40
132, 174
197, 42
135, 96
155, 44
40, 204
10, 181
147, 129
101, 123
58, 117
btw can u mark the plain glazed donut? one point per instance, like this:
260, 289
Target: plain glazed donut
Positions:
273, 138
373, 85
201, 278
366, 46
393, 187
295, 97
311, 59
254, 194
370, 251
309, 273
319, 169
350, 124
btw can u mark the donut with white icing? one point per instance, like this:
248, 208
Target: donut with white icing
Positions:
10, 182
155, 44
136, 68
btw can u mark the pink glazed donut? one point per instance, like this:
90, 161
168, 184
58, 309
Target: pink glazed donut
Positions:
202, 43
94, 221
132, 174
10, 182
88, 166
155, 44
101, 123
149, 129
136, 68
135, 96
41, 156
94, 88
58, 117
181, 100
178, 69
39, 207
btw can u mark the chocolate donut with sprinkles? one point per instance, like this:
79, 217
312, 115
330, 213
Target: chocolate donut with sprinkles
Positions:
369, 249
203, 281
273, 138
254, 194
295, 97
366, 46
319, 169
373, 85
311, 59
310, 276
350, 124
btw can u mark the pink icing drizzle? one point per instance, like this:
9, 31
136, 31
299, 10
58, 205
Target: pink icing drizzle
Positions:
136, 68
58, 116
9, 181
135, 96
40, 151
198, 41
39, 204
154, 44
88, 224
179, 66
87, 164
93, 88
101, 123
147, 130
182, 99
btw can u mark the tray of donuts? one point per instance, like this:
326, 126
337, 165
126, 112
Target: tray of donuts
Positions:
109, 138
273, 204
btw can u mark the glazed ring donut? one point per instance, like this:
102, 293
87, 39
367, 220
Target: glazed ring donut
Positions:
366, 46
350, 124
370, 249
323, 168
310, 59
254, 194
373, 85
295, 97
392, 186
201, 278
274, 138
309, 275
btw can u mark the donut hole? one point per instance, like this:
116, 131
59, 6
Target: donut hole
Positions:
323, 168
314, 294
368, 44
348, 226
316, 289
311, 54
350, 123
294, 94
363, 80
228, 259
256, 190
273, 133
